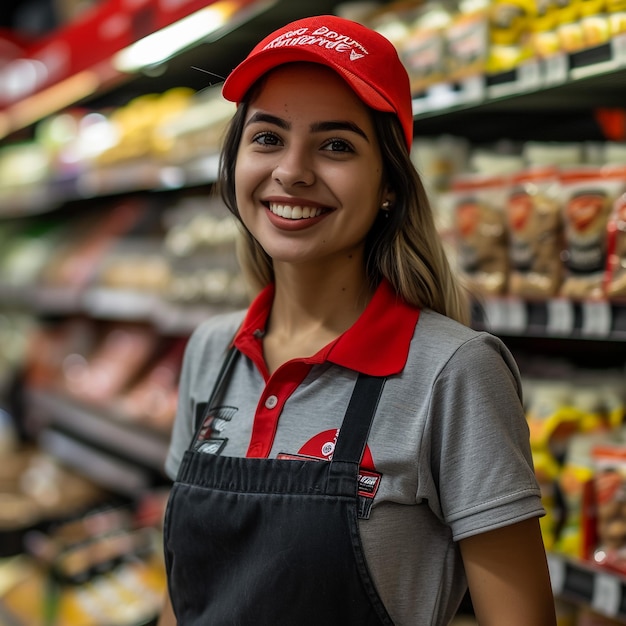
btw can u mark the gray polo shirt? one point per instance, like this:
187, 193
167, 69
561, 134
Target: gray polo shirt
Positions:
448, 453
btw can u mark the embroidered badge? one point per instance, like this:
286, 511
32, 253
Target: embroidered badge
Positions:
213, 421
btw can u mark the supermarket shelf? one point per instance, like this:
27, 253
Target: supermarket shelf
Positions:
130, 177
550, 88
556, 317
106, 470
560, 318
543, 100
531, 76
582, 583
130, 444
168, 318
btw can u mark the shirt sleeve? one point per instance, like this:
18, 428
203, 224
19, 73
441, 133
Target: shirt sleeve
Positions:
478, 440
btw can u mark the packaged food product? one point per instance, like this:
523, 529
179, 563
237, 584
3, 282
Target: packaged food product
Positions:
568, 420
543, 34
617, 16
535, 233
479, 206
576, 536
594, 22
547, 472
616, 259
569, 27
588, 197
423, 48
77, 261
509, 34
467, 44
610, 493
116, 361
152, 400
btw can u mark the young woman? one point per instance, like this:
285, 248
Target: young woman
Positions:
347, 451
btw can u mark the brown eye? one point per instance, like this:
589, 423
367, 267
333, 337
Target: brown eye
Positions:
266, 139
338, 145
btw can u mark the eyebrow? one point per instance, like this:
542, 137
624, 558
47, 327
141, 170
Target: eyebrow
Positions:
316, 127
338, 125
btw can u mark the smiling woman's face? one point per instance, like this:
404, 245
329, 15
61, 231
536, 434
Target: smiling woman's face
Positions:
309, 174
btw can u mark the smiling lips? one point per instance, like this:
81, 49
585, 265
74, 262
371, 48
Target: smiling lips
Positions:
294, 212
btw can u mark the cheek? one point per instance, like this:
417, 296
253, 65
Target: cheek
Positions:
247, 178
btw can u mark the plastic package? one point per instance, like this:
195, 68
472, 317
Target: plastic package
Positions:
588, 196
479, 202
535, 233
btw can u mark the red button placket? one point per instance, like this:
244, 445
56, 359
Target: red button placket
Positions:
277, 391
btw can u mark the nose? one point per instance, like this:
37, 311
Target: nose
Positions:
294, 167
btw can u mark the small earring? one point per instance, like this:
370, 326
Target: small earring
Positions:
386, 205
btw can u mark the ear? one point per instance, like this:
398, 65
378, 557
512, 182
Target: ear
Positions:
388, 197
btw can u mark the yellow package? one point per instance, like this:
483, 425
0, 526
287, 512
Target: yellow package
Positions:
569, 27
544, 38
509, 34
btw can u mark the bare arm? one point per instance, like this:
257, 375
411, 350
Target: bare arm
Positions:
508, 576
167, 617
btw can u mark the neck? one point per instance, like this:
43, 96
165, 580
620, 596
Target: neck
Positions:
310, 302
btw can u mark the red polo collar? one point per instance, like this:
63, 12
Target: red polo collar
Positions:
376, 344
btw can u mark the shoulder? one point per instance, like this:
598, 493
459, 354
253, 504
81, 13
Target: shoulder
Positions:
448, 345
447, 336
210, 340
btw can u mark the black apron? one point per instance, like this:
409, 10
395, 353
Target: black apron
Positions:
273, 542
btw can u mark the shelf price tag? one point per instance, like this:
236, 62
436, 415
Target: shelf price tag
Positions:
473, 89
442, 96
495, 314
517, 315
596, 319
555, 69
560, 317
529, 76
607, 594
506, 315
556, 567
618, 48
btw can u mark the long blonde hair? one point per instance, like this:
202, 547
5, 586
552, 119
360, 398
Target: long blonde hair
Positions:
404, 247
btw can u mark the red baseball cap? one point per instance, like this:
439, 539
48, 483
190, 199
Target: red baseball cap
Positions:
366, 60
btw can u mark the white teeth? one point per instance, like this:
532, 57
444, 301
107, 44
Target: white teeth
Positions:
294, 212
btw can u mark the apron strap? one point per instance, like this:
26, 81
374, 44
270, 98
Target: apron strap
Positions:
358, 418
222, 378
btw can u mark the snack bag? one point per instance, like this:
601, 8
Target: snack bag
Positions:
467, 44
577, 535
594, 22
544, 37
481, 231
509, 34
616, 261
610, 495
535, 233
569, 28
423, 49
617, 16
547, 472
589, 194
